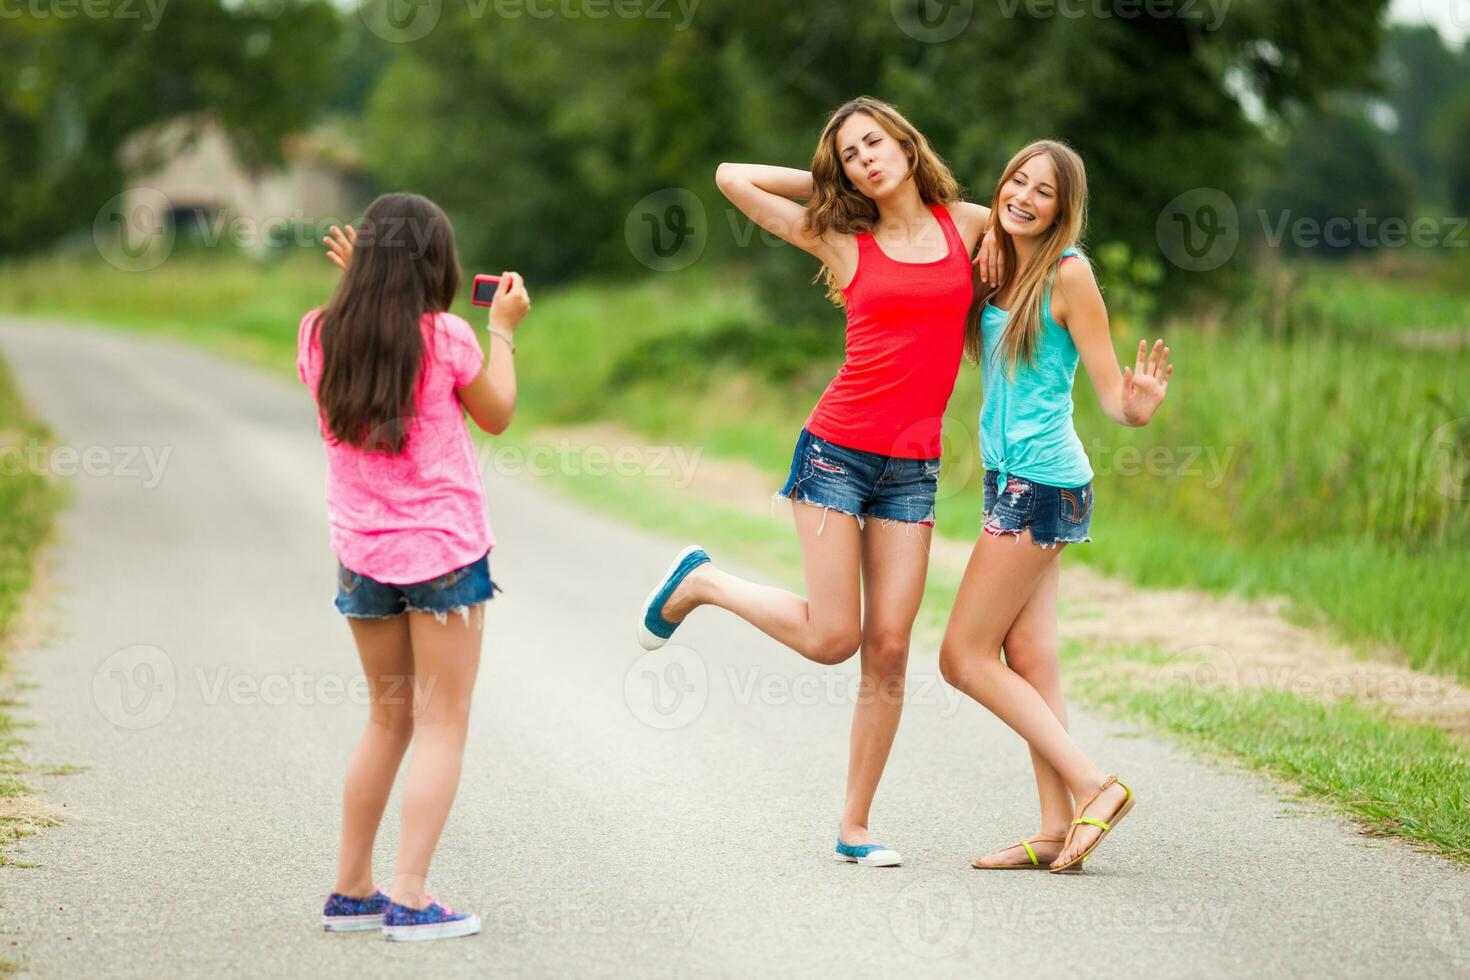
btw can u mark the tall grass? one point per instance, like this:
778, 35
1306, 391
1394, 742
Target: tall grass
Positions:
1303, 451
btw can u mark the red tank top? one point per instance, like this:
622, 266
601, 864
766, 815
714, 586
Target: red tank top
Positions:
905, 338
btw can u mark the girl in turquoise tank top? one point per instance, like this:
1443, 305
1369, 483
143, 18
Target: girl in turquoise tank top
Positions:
1000, 646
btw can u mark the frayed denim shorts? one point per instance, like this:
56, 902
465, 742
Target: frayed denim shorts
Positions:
361, 597
1054, 515
861, 483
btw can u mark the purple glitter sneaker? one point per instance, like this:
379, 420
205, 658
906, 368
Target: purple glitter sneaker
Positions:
433, 921
347, 914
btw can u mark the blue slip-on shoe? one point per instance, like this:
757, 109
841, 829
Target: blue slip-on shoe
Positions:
868, 855
653, 630
343, 913
433, 921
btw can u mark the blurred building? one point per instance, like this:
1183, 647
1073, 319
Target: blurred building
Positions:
186, 174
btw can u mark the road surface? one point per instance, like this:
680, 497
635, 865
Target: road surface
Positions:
663, 816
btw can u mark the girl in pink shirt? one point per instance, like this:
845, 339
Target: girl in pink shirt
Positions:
393, 373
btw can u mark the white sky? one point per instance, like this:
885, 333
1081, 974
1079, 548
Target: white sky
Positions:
1452, 17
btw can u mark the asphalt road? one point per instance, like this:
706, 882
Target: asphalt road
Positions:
669, 815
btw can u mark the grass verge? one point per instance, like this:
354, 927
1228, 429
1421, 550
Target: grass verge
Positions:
28, 504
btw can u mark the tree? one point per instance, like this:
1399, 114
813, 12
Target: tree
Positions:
73, 90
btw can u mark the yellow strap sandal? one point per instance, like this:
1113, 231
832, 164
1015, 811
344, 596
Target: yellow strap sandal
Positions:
1032, 865
1106, 826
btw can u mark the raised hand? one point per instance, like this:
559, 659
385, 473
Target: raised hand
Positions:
1146, 383
339, 246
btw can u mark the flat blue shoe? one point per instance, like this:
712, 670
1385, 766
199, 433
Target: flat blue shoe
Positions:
653, 630
868, 855
434, 921
343, 913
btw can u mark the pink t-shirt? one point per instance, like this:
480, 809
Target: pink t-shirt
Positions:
420, 514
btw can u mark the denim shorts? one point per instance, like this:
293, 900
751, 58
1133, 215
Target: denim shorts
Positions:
1055, 515
361, 597
860, 483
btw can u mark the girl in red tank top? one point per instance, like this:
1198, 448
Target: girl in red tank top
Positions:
905, 339
883, 215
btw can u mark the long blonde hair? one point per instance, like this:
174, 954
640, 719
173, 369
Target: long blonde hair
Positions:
1023, 327
838, 206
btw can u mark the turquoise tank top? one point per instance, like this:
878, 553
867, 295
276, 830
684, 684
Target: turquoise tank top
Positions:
1026, 419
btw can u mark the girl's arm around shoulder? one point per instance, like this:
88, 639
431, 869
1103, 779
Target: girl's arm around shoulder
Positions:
1129, 397
973, 223
487, 389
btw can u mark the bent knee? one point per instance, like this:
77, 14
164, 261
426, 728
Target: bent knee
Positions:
886, 654
395, 720
836, 647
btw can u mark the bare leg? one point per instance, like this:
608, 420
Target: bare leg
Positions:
446, 659
1002, 576
1031, 649
387, 662
825, 626
895, 560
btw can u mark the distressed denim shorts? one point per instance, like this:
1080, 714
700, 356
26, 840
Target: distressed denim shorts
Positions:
1055, 515
360, 597
860, 483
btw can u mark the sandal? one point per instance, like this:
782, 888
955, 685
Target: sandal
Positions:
1106, 826
1033, 865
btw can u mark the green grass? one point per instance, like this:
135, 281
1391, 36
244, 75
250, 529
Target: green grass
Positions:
1300, 454
1396, 779
1324, 499
28, 504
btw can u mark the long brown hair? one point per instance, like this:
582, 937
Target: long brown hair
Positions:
838, 206
1023, 326
404, 265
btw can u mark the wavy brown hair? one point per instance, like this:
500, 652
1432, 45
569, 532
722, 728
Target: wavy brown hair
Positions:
1023, 325
838, 206
403, 266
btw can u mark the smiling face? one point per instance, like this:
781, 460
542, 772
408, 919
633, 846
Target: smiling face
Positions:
1029, 199
872, 158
